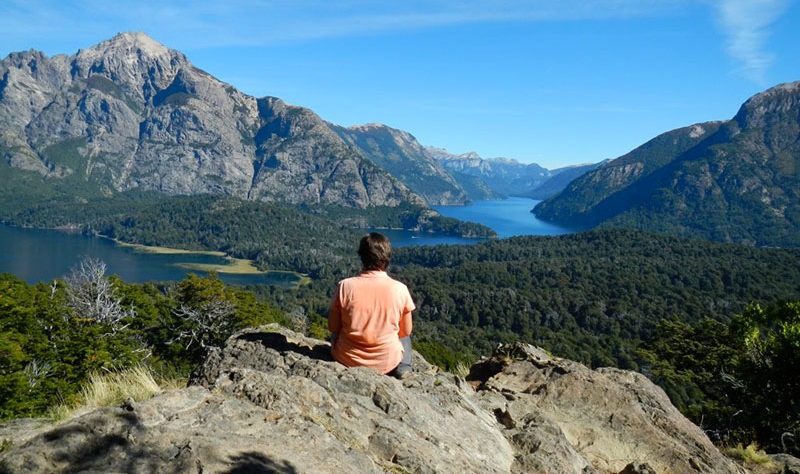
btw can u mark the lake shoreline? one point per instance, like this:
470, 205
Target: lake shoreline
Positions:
233, 265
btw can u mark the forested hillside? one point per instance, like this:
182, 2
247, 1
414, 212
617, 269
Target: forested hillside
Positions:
733, 181
591, 297
306, 239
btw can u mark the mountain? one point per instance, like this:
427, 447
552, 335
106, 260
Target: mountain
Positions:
271, 400
560, 179
737, 180
503, 176
400, 154
130, 113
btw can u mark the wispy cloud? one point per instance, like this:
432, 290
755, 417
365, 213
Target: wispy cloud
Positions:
746, 26
187, 24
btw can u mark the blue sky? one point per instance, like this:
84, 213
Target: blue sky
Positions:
554, 82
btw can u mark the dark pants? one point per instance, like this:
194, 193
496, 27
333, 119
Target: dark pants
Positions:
405, 364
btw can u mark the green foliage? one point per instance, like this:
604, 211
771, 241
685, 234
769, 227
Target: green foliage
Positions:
48, 351
442, 356
692, 363
590, 297
768, 367
404, 216
739, 380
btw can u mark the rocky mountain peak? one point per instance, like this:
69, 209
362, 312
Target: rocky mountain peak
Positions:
131, 59
131, 113
769, 106
131, 45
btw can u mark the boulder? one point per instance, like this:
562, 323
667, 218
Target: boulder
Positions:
271, 400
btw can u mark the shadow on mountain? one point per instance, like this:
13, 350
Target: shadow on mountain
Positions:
253, 462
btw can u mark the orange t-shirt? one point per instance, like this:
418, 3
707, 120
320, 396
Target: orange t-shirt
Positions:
369, 314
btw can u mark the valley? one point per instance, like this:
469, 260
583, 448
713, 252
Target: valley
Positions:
163, 172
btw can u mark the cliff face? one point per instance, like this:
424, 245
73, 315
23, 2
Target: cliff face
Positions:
730, 181
130, 113
400, 154
273, 401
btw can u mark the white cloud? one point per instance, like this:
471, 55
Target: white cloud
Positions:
746, 26
187, 24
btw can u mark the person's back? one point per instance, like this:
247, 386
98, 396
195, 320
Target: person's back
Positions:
371, 313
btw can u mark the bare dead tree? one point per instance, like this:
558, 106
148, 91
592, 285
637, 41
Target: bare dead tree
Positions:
298, 319
35, 371
93, 297
209, 324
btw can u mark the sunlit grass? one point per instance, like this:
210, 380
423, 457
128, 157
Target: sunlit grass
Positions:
114, 387
750, 454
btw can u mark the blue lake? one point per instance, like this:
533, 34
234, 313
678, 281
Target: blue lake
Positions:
41, 255
507, 217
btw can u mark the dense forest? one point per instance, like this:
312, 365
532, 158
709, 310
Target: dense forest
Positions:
592, 297
275, 236
604, 297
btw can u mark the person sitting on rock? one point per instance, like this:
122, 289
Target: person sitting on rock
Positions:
370, 315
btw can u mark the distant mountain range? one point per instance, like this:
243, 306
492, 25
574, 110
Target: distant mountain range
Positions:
131, 114
495, 178
502, 176
737, 180
400, 154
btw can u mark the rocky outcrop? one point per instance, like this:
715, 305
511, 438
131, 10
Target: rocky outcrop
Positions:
130, 113
271, 400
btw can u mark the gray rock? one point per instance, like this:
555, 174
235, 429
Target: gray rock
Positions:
130, 113
400, 154
503, 176
271, 400
607, 418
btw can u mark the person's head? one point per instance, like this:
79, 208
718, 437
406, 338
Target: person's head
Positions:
375, 251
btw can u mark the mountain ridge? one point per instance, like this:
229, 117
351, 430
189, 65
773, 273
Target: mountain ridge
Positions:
739, 181
130, 113
399, 153
502, 176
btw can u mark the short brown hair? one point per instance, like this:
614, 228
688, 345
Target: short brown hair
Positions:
375, 251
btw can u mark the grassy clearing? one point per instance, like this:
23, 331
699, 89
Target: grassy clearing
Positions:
167, 250
233, 265
114, 387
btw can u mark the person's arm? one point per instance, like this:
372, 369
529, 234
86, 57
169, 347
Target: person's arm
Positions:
405, 325
405, 319
335, 313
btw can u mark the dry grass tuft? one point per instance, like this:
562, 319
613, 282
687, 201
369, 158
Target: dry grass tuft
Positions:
114, 387
749, 455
